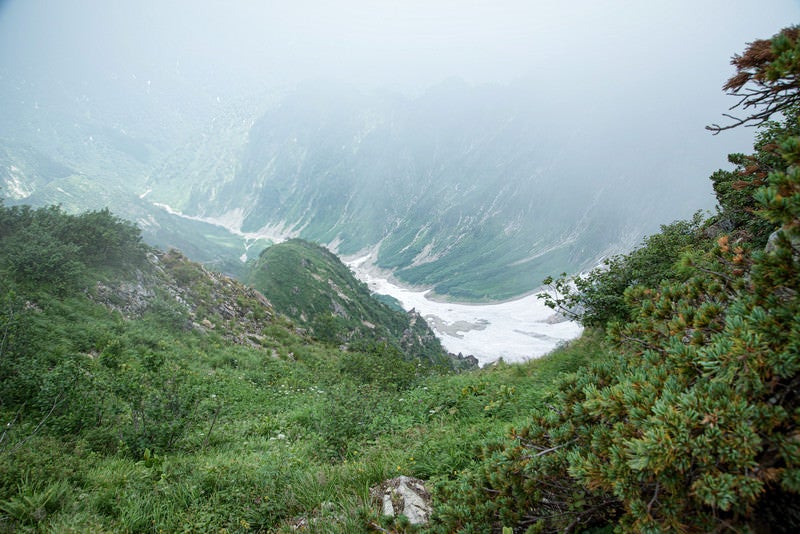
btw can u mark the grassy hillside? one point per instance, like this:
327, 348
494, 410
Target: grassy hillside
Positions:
312, 286
142, 393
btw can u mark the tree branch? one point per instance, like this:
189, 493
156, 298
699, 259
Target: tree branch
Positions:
39, 426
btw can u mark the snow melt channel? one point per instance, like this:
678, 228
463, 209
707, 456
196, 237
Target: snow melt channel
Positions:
515, 330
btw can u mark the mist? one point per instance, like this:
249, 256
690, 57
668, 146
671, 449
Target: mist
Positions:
653, 49
158, 98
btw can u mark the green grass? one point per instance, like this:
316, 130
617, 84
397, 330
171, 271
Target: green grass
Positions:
265, 462
212, 413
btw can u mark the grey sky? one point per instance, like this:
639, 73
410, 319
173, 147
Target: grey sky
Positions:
646, 67
406, 44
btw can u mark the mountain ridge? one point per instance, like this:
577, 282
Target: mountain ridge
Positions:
479, 192
458, 188
312, 286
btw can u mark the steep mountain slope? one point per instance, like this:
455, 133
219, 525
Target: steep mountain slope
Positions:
478, 192
312, 286
31, 177
93, 147
24, 170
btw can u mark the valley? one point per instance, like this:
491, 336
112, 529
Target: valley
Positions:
479, 206
515, 330
479, 209
263, 264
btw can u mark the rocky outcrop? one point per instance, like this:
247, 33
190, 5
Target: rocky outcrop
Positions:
131, 298
772, 241
465, 362
406, 496
207, 299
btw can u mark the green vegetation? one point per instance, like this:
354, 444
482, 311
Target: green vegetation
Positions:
599, 297
152, 395
690, 423
209, 244
314, 288
141, 393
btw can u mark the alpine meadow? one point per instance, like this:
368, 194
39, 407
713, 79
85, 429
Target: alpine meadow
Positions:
183, 347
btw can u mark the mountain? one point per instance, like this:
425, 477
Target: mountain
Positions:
92, 146
29, 176
478, 192
23, 170
309, 284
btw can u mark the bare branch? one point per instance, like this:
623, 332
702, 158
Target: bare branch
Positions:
39, 426
551, 449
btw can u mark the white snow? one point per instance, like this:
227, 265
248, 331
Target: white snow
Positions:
16, 186
515, 330
232, 222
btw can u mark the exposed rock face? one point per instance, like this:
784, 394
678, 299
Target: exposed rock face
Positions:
208, 299
129, 298
772, 241
466, 362
404, 495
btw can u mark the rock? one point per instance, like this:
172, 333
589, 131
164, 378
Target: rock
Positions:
404, 495
339, 310
772, 241
131, 298
722, 226
470, 361
259, 297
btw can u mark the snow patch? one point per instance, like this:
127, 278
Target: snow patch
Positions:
515, 330
15, 186
232, 222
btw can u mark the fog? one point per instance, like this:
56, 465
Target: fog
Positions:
630, 83
590, 46
626, 77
